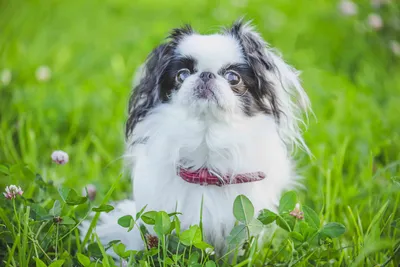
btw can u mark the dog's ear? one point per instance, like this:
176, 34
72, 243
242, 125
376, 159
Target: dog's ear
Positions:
254, 50
278, 82
146, 92
178, 34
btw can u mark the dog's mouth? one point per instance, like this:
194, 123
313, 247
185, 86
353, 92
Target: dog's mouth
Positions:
205, 90
207, 93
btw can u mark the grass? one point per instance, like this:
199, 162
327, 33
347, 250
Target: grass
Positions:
92, 50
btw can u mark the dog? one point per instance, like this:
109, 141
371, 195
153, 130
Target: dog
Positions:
210, 117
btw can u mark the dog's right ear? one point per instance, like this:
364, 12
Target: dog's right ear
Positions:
146, 91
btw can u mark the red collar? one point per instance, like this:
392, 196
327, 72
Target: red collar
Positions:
205, 177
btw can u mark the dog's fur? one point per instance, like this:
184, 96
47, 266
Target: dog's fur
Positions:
249, 127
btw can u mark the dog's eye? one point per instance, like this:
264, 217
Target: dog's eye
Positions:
232, 77
182, 75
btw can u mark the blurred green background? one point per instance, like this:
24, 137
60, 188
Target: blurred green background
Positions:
66, 71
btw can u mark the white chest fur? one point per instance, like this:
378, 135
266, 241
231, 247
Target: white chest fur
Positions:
234, 145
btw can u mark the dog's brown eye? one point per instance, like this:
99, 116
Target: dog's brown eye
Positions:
232, 77
182, 75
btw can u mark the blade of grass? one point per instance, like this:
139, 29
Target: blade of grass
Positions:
243, 263
377, 217
369, 249
252, 251
96, 217
26, 257
6, 221
103, 251
12, 250
78, 241
396, 251
56, 248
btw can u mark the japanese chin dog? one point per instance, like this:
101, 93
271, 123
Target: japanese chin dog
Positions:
210, 117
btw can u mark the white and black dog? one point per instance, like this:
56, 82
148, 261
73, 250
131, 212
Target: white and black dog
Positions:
212, 117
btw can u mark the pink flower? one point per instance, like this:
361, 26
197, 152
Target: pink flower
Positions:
375, 21
91, 191
12, 191
297, 213
59, 157
348, 8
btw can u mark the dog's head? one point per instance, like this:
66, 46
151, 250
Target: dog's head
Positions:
231, 73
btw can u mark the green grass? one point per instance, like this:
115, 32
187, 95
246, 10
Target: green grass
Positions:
93, 49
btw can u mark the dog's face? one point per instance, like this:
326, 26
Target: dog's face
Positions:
210, 74
232, 73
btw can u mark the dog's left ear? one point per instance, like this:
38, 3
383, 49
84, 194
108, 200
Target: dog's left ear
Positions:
253, 48
146, 94
278, 83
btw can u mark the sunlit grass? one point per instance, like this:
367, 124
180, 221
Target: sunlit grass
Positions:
92, 50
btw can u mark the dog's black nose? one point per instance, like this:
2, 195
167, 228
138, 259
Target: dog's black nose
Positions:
206, 76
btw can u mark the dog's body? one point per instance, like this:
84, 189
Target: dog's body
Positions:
241, 119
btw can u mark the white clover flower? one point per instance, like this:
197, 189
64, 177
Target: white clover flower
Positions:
43, 74
12, 191
395, 47
348, 8
209, 251
375, 21
60, 157
6, 77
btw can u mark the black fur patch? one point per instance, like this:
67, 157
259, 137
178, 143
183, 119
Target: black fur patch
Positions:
149, 93
253, 47
168, 78
177, 34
